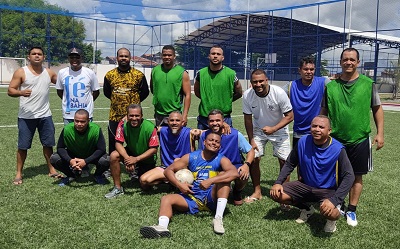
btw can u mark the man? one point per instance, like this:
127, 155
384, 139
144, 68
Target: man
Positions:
31, 84
175, 141
217, 87
209, 191
81, 143
123, 85
326, 175
305, 95
77, 86
267, 113
169, 84
233, 145
348, 101
140, 152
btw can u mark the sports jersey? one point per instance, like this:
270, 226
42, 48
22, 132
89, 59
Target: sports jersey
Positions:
81, 145
216, 90
173, 146
202, 170
318, 165
138, 139
232, 145
37, 104
77, 89
125, 88
349, 106
306, 102
167, 89
268, 110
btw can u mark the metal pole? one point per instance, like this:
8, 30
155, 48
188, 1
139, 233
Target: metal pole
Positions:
247, 44
349, 33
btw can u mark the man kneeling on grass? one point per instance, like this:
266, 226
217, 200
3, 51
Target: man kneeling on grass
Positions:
326, 175
212, 176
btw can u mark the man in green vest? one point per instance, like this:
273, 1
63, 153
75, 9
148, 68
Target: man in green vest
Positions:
348, 102
140, 136
170, 85
217, 87
81, 143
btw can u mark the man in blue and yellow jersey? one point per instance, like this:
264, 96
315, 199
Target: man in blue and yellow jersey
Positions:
208, 192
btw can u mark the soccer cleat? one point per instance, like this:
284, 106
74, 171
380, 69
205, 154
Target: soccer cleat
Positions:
107, 174
154, 232
114, 193
330, 226
134, 175
66, 181
305, 214
351, 218
218, 225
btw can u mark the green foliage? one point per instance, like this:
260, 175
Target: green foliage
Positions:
55, 33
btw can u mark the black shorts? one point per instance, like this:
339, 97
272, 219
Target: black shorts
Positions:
360, 157
140, 166
301, 193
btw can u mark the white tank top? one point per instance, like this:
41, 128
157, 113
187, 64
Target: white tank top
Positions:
37, 105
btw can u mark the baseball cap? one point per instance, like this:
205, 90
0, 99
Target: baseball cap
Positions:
75, 51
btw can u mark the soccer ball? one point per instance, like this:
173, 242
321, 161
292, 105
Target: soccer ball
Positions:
184, 176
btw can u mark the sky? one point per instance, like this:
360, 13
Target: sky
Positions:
143, 13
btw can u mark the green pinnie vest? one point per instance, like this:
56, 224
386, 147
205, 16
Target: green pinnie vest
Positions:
81, 145
349, 108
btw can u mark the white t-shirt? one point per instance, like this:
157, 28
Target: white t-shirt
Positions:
78, 87
37, 105
268, 110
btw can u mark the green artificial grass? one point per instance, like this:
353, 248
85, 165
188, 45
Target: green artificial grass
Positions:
40, 214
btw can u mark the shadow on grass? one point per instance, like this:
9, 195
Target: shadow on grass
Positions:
32, 171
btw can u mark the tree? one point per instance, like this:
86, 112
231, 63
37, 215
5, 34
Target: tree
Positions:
55, 33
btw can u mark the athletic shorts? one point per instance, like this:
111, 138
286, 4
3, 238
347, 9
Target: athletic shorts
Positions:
27, 128
161, 120
301, 193
280, 143
204, 203
360, 157
141, 167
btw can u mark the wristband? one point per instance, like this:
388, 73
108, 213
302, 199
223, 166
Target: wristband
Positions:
248, 164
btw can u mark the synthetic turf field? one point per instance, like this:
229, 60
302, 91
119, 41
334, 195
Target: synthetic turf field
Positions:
40, 214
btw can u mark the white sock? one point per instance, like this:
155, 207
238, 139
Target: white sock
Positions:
163, 221
221, 205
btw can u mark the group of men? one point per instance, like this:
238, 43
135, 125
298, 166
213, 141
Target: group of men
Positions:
331, 147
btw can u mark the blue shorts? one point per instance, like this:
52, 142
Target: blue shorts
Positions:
200, 203
27, 128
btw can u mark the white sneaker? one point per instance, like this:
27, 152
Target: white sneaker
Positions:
330, 226
218, 225
351, 218
305, 214
154, 232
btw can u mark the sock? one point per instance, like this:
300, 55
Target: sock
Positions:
221, 205
351, 208
163, 221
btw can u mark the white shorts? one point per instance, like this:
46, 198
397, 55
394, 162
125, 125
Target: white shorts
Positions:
280, 143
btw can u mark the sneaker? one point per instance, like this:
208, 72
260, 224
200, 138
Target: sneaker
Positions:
100, 180
285, 207
114, 193
218, 225
66, 181
305, 214
330, 226
351, 218
134, 175
107, 174
154, 232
